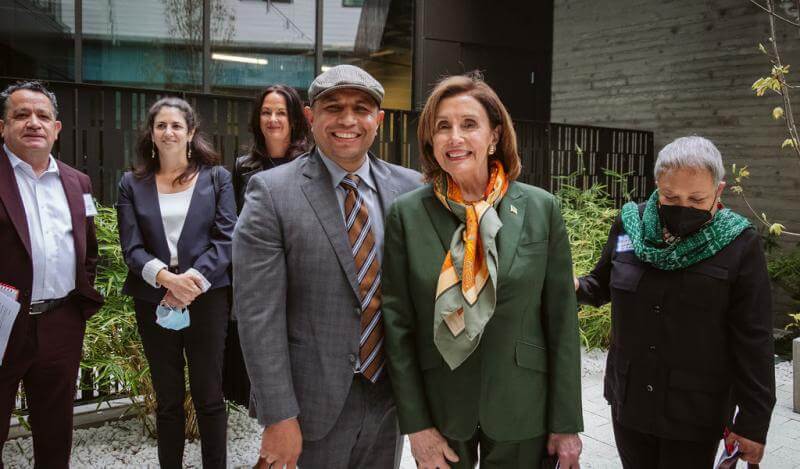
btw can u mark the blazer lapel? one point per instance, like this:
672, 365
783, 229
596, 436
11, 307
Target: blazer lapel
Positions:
77, 211
319, 192
512, 213
147, 196
196, 207
444, 222
387, 190
9, 194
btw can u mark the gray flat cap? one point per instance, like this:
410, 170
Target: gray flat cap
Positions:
345, 76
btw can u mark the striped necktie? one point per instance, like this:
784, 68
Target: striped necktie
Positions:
365, 252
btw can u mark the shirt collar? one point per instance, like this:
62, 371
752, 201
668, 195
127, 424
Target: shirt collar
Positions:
27, 168
337, 173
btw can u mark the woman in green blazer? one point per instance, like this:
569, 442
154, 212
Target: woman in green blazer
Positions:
478, 299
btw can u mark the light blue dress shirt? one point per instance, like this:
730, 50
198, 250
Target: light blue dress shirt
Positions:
369, 192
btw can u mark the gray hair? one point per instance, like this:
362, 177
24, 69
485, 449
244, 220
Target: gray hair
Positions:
34, 86
690, 152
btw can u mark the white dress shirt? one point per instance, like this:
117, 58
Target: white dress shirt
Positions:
50, 229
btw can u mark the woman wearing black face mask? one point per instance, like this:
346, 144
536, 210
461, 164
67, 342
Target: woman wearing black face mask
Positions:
691, 319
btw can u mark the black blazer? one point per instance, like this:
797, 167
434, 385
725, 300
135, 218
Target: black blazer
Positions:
205, 241
688, 346
245, 168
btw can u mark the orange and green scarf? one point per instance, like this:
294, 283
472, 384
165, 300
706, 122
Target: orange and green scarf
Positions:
466, 293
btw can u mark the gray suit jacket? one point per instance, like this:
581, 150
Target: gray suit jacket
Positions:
296, 292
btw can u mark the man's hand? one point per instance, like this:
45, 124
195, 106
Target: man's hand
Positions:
577, 283
430, 449
752, 451
567, 446
281, 444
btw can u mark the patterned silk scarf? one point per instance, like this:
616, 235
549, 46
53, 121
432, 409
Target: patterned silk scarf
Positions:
466, 291
647, 236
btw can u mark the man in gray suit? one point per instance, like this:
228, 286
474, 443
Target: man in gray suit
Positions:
306, 255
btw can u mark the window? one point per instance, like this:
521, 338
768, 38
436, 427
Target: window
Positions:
377, 40
37, 39
263, 43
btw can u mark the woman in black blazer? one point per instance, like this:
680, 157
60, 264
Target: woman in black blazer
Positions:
176, 215
280, 133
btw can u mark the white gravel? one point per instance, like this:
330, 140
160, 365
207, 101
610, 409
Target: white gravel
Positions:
123, 444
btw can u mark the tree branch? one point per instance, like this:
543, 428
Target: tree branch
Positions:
772, 13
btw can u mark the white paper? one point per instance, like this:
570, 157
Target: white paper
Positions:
9, 291
8, 314
91, 210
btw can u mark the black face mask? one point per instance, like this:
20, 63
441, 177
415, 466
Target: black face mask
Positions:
682, 221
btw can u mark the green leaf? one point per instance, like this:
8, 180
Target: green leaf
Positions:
777, 113
787, 143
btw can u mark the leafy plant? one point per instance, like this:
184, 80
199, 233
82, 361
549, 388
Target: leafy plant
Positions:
588, 215
784, 269
113, 351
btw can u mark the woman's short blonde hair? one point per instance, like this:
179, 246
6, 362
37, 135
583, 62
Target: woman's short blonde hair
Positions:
473, 85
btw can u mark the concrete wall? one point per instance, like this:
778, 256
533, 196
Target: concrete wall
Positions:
681, 67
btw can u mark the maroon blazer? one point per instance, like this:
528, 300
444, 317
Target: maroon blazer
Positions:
16, 266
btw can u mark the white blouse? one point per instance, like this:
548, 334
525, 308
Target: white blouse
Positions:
173, 214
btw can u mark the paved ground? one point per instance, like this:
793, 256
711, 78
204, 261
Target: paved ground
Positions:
600, 452
123, 443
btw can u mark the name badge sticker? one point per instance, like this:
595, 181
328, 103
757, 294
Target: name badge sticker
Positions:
624, 243
88, 202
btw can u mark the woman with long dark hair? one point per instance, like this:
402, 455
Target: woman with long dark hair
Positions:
280, 134
176, 215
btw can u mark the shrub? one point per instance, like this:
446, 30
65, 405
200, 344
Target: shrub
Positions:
588, 215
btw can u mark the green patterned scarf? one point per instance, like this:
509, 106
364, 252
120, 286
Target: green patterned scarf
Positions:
647, 236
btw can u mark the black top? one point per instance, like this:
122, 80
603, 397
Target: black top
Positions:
244, 168
687, 346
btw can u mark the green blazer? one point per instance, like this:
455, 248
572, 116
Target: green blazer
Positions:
523, 380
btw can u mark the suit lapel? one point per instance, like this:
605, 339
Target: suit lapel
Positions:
196, 207
387, 190
9, 194
512, 214
77, 211
148, 195
444, 222
318, 189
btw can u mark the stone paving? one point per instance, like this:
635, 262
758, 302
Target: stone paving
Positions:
600, 451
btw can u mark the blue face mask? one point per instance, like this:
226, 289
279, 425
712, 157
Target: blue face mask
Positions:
172, 318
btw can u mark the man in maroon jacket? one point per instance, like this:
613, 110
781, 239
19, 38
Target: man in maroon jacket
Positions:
48, 254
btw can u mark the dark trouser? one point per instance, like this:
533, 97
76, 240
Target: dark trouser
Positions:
235, 381
203, 343
641, 450
365, 436
498, 454
47, 365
